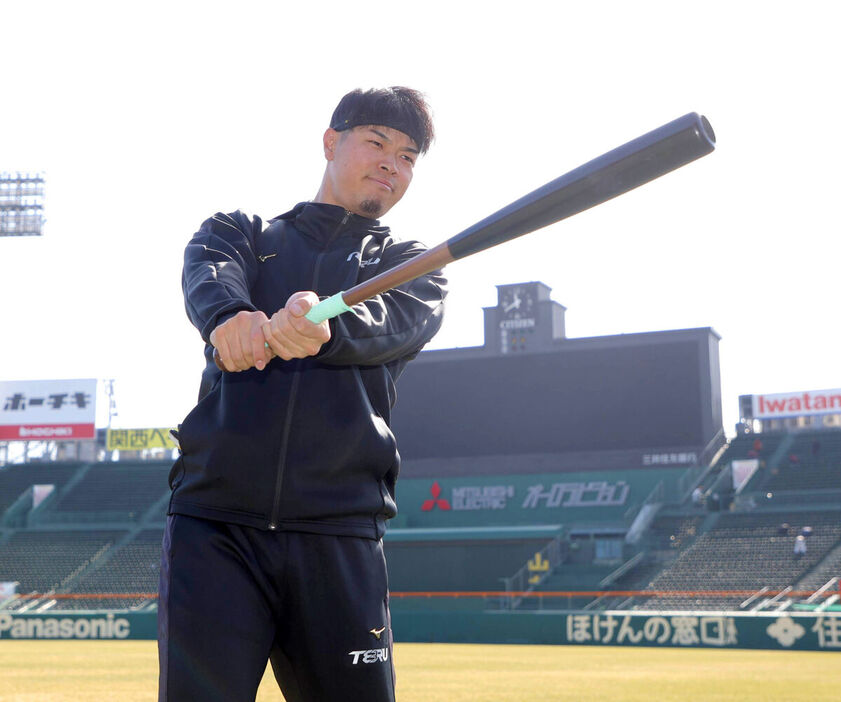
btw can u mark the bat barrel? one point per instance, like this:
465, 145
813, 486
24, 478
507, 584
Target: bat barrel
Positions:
633, 164
624, 168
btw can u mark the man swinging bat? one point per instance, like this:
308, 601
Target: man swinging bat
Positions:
273, 544
287, 471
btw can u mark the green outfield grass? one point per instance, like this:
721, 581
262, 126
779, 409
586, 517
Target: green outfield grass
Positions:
126, 671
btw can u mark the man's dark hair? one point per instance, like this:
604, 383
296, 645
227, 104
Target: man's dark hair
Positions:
397, 107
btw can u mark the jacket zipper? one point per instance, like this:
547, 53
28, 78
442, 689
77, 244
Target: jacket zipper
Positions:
293, 391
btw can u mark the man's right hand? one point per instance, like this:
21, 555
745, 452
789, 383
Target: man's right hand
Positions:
240, 342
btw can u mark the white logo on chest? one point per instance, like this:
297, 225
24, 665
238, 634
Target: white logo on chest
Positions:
362, 264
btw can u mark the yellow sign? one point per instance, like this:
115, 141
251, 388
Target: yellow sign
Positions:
537, 565
138, 439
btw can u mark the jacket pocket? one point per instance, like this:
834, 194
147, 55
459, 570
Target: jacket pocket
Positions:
176, 473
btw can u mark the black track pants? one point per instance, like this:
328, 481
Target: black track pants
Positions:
232, 598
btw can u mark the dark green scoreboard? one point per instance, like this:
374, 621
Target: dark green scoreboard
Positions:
635, 392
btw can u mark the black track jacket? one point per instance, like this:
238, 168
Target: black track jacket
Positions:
303, 445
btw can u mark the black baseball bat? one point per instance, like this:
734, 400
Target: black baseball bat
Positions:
624, 168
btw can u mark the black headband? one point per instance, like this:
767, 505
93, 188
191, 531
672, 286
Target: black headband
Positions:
397, 108
393, 121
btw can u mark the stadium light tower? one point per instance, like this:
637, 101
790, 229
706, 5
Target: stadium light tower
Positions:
21, 204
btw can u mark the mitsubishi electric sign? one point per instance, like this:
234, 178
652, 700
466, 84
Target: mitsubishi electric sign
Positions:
47, 410
540, 498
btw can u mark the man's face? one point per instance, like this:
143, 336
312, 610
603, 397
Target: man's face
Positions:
369, 168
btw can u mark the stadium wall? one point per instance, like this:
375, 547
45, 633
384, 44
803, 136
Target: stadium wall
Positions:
762, 630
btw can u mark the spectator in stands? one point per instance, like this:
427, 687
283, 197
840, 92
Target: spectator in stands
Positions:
800, 546
793, 459
273, 547
698, 496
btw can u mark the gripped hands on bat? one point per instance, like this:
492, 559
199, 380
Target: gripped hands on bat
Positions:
251, 339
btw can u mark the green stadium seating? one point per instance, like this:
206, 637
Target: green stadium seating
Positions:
101, 535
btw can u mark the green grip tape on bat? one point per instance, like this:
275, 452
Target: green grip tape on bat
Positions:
327, 309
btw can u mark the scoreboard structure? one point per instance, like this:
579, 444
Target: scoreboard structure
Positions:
650, 399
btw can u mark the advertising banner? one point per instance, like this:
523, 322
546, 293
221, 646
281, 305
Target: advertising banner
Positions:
41, 493
139, 439
47, 410
742, 471
797, 404
780, 631
526, 499
766, 630
80, 626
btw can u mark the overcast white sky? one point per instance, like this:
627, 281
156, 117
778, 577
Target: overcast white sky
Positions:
148, 117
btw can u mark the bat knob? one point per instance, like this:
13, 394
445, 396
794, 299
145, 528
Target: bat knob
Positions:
217, 359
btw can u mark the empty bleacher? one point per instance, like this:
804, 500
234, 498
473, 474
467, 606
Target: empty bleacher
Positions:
75, 545
812, 462
16, 478
760, 446
112, 492
745, 552
828, 568
100, 534
132, 568
673, 531
42, 561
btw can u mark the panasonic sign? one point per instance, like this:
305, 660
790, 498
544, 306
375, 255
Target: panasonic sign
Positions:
85, 627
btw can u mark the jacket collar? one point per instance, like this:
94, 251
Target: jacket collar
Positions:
325, 222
